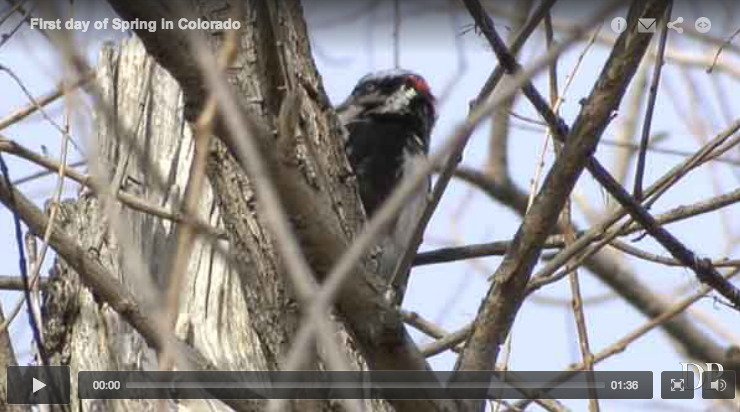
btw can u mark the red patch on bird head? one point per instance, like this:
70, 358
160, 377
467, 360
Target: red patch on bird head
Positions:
420, 85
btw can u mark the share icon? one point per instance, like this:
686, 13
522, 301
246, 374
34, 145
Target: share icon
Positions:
675, 25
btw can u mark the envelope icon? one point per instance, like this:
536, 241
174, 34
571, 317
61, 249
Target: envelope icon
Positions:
646, 25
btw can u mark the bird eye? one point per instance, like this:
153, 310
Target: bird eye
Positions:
369, 88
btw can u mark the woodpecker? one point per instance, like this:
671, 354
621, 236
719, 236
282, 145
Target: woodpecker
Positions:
389, 117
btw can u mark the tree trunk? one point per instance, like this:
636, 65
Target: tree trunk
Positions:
213, 313
239, 316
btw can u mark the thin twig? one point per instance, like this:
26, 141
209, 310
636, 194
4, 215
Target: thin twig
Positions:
567, 221
677, 308
396, 33
127, 199
488, 185
650, 108
598, 299
16, 282
248, 152
664, 150
722, 47
12, 204
191, 198
39, 108
10, 10
651, 257
26, 15
32, 255
701, 267
92, 273
632, 147
44, 100
521, 37
7, 36
449, 341
44, 173
53, 212
467, 252
627, 129
137, 271
423, 325
653, 193
497, 162
622, 344
10, 317
462, 58
543, 277
556, 107
447, 171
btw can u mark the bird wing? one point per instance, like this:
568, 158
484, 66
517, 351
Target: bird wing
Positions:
401, 233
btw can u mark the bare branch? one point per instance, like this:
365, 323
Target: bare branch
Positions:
16, 283
94, 275
127, 199
661, 319
521, 37
238, 125
443, 180
703, 269
677, 214
504, 298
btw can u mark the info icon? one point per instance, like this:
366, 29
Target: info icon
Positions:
676, 385
619, 24
718, 385
40, 385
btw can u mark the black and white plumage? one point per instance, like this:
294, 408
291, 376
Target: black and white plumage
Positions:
389, 119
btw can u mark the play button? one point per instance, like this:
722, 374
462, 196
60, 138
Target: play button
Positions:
38, 385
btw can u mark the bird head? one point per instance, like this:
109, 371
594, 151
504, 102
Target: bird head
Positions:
391, 95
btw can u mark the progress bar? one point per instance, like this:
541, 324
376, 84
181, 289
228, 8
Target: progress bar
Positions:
364, 385
360, 385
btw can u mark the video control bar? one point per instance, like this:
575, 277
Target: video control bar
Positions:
364, 385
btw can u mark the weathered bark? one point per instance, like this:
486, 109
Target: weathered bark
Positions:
213, 318
242, 317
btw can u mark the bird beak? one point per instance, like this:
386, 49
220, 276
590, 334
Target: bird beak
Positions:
355, 104
348, 110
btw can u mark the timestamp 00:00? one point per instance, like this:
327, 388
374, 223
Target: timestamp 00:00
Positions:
106, 385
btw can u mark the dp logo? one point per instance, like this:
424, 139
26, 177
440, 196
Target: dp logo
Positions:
709, 368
